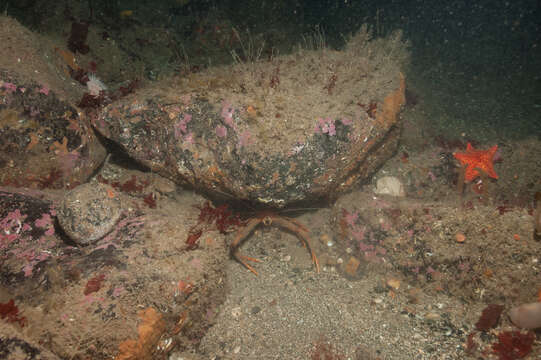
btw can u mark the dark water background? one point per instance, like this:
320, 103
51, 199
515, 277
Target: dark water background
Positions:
476, 65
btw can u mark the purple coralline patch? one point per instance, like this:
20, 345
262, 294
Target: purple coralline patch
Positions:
347, 121
27, 233
31, 242
325, 126
363, 236
126, 228
221, 131
11, 226
227, 114
10, 87
351, 217
245, 138
181, 129
181, 126
44, 90
46, 222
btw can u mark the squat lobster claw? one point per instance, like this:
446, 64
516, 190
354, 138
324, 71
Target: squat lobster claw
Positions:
269, 219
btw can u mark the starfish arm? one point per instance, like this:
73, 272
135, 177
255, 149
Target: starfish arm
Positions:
471, 173
490, 172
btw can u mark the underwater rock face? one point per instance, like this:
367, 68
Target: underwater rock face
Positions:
98, 284
295, 128
28, 235
16, 345
44, 141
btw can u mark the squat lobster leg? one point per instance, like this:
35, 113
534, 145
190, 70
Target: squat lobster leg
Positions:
242, 234
301, 232
288, 224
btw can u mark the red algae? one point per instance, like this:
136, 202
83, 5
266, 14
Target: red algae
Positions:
513, 345
489, 318
10, 312
220, 216
94, 284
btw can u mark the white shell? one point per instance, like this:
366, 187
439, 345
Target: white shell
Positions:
389, 185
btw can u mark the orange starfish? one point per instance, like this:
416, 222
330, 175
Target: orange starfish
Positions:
475, 160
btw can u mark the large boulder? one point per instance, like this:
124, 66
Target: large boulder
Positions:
45, 142
283, 130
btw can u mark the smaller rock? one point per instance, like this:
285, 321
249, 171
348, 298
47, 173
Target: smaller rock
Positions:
389, 185
89, 212
255, 310
460, 237
393, 283
236, 312
526, 316
326, 240
432, 316
328, 260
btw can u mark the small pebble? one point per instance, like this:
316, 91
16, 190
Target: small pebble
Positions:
432, 316
325, 238
460, 237
236, 312
327, 260
393, 283
255, 310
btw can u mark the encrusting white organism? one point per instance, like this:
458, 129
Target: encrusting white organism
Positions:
95, 85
